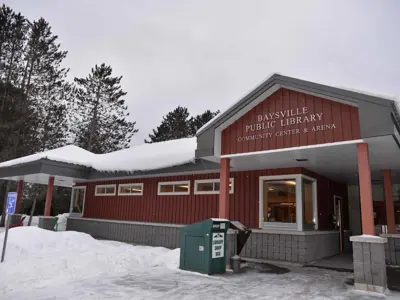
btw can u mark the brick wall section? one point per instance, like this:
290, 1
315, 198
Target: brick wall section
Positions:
46, 222
14, 219
369, 266
150, 234
392, 250
297, 248
283, 247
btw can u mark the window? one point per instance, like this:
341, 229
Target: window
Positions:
78, 200
174, 188
280, 201
308, 217
105, 190
288, 201
210, 186
130, 189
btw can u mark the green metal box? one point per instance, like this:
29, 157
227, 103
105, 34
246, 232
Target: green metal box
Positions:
203, 246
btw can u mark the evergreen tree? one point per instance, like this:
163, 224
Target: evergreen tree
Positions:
46, 85
15, 111
198, 121
178, 124
102, 126
33, 90
175, 125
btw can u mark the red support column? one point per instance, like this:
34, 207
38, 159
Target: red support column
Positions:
49, 196
20, 190
387, 185
364, 176
224, 189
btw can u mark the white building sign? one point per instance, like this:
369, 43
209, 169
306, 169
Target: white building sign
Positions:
218, 244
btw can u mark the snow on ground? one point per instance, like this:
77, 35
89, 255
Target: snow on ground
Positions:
44, 265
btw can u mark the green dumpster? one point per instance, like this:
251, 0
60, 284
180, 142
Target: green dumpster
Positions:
203, 246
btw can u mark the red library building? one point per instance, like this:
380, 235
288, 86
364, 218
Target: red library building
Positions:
313, 170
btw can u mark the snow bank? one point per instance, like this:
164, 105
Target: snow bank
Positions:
37, 257
137, 158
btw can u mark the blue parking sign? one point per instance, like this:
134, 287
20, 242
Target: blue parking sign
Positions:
11, 202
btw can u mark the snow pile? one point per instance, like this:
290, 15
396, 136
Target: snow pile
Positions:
138, 158
36, 258
62, 221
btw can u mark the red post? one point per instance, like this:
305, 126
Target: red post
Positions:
49, 196
364, 176
224, 189
387, 185
20, 190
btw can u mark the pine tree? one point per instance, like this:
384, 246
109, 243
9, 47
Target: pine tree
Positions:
15, 111
198, 121
46, 85
178, 124
33, 90
175, 125
102, 126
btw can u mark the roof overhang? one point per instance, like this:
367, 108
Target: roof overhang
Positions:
39, 171
67, 175
337, 161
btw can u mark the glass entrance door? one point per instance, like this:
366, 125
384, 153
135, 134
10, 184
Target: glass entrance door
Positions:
77, 201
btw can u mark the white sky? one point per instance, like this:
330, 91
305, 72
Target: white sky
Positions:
206, 54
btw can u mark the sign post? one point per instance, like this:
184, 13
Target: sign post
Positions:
10, 209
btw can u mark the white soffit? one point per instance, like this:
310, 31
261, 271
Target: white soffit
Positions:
337, 161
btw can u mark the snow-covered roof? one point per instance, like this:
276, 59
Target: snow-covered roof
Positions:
148, 156
68, 154
137, 158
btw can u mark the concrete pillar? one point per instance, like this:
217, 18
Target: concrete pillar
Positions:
387, 185
369, 263
20, 191
224, 189
49, 196
364, 175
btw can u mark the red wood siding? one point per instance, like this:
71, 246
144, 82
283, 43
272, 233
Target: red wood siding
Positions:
315, 121
186, 209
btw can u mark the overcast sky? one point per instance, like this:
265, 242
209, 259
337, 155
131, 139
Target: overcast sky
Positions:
208, 54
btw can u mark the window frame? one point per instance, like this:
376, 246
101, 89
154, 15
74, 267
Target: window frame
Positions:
299, 226
215, 180
173, 183
130, 184
74, 188
105, 186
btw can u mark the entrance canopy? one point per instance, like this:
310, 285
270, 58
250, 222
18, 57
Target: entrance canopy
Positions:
287, 123
337, 161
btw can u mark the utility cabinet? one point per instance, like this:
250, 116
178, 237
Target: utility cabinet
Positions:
203, 246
